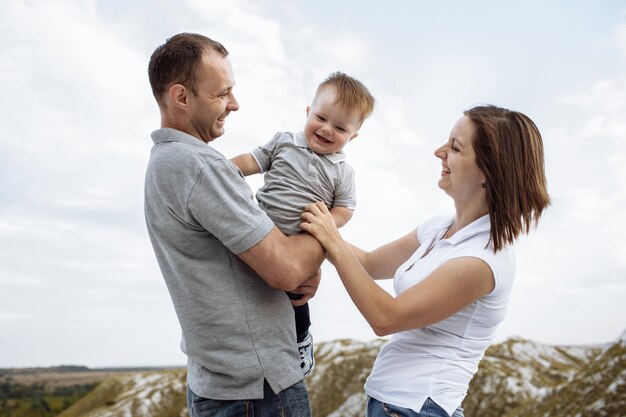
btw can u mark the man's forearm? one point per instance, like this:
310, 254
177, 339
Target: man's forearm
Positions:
307, 252
285, 262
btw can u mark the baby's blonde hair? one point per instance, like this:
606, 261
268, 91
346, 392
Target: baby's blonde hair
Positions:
351, 94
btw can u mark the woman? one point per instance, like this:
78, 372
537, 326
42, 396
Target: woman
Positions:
453, 274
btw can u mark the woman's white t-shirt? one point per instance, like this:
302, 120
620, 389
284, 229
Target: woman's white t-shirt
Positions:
439, 361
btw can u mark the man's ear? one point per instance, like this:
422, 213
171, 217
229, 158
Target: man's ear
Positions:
178, 96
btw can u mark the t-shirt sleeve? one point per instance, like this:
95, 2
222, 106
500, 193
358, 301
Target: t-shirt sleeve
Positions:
221, 201
502, 265
345, 192
264, 155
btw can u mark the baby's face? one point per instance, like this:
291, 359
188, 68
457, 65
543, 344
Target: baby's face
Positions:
329, 126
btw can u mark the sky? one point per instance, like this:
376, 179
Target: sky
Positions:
79, 283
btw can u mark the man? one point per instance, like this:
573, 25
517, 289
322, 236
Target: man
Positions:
225, 264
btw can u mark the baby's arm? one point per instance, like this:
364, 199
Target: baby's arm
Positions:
341, 215
247, 164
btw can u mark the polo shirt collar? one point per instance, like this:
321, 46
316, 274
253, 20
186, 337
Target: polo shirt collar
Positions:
167, 134
335, 158
482, 225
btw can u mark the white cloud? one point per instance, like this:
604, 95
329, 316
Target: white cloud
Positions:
585, 164
68, 123
75, 260
74, 155
74, 139
573, 266
619, 34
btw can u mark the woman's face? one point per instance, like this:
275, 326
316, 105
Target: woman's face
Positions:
460, 176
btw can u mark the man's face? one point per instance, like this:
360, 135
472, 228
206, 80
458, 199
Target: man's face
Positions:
213, 99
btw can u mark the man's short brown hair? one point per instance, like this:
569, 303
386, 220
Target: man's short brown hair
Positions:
177, 60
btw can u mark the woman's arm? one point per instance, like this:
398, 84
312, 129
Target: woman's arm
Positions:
383, 262
447, 290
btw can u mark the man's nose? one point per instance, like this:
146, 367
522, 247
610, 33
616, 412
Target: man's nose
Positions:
233, 104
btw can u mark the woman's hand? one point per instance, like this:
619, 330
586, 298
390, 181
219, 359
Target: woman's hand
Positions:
318, 221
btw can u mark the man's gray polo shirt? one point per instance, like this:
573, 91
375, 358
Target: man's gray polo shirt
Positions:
236, 329
296, 176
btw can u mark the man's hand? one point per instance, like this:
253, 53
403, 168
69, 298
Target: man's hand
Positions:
307, 289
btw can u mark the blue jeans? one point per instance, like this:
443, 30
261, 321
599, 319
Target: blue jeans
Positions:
290, 402
430, 408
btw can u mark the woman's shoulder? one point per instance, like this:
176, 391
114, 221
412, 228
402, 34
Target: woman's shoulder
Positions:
502, 263
433, 225
441, 220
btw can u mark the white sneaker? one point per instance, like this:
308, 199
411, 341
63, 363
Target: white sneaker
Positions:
305, 348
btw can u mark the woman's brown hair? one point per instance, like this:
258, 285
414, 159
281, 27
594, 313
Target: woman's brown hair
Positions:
509, 151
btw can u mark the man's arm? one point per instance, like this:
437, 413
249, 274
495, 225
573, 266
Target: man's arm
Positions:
285, 262
247, 164
341, 215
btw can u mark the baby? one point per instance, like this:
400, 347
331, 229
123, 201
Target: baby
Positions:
310, 166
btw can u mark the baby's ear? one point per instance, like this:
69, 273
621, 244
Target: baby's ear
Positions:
308, 110
354, 135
